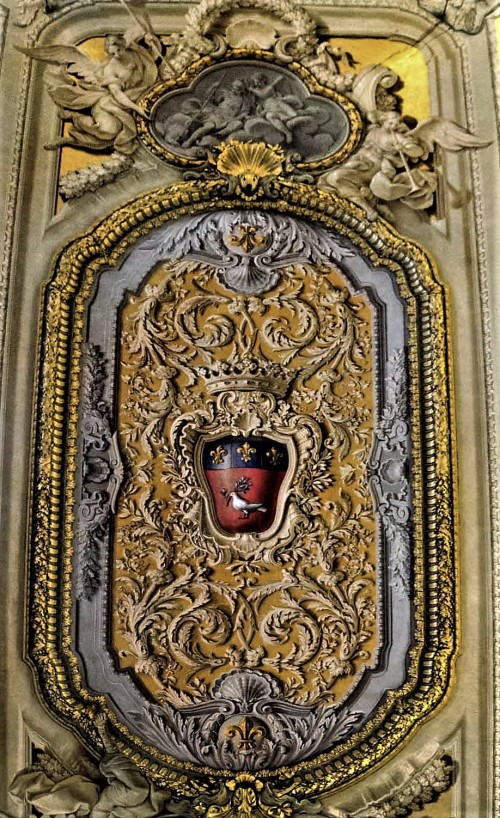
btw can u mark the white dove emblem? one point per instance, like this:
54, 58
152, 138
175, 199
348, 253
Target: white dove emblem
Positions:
240, 504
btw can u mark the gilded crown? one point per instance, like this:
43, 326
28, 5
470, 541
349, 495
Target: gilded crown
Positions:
247, 375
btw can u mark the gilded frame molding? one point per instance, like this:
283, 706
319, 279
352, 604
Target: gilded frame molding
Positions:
233, 56
431, 663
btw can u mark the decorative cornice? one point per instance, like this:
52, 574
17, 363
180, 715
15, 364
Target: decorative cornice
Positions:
491, 400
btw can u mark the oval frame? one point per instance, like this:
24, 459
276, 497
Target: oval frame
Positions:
49, 648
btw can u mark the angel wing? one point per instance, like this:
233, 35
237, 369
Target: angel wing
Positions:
447, 134
76, 61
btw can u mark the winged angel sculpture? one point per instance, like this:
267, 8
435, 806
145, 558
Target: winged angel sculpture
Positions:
390, 165
99, 97
99, 100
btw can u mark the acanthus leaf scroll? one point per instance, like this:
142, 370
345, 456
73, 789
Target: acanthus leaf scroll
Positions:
245, 402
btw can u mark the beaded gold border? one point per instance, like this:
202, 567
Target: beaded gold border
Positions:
151, 99
433, 450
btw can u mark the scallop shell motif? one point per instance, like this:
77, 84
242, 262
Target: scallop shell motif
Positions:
246, 687
248, 279
256, 158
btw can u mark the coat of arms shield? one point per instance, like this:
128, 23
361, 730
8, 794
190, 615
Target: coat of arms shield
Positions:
245, 476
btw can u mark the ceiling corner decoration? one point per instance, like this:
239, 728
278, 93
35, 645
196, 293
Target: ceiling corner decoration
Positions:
244, 530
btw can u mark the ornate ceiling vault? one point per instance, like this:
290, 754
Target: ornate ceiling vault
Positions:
244, 535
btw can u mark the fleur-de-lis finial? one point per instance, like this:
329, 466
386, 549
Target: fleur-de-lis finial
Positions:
248, 238
246, 734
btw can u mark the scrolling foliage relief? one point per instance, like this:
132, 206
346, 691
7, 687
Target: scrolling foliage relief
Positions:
193, 602
243, 622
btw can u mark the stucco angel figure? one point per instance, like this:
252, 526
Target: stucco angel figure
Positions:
386, 167
100, 97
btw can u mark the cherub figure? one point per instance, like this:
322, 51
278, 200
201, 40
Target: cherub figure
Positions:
281, 110
325, 62
386, 167
322, 59
183, 49
99, 98
223, 114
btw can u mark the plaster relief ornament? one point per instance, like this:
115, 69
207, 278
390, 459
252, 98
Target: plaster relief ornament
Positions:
81, 787
389, 166
183, 95
255, 594
244, 465
99, 98
461, 15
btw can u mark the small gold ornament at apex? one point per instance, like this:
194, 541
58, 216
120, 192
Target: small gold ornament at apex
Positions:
248, 239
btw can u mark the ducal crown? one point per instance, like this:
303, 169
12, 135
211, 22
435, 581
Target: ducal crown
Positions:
247, 375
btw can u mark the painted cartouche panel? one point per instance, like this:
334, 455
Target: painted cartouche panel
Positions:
250, 102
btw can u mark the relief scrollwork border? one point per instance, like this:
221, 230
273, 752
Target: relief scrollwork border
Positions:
431, 659
150, 100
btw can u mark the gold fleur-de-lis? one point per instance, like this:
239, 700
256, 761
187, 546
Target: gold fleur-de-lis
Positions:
218, 455
246, 734
274, 456
246, 451
248, 238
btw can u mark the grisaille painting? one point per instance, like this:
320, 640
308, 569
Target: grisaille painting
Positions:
250, 102
249, 411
